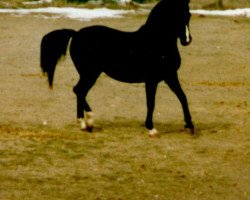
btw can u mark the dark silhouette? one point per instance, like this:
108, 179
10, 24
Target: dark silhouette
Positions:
148, 55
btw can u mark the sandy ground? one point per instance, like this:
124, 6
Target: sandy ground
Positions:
215, 76
215, 72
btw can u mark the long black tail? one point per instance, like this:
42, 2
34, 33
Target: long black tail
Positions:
53, 47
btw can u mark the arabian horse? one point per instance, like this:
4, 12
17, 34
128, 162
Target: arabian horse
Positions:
149, 55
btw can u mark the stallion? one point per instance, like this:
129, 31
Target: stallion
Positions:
149, 55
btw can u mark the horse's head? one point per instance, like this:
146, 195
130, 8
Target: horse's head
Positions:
183, 19
171, 18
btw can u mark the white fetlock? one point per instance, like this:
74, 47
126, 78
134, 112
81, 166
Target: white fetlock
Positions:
82, 123
153, 132
89, 119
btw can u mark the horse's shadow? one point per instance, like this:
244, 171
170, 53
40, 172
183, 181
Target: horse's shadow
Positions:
122, 125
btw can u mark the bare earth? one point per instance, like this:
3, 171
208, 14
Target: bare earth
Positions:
44, 155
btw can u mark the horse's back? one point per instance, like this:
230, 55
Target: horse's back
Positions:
108, 50
102, 34
101, 40
124, 56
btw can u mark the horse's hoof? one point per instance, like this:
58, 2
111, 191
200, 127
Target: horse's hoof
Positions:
89, 119
189, 128
89, 129
190, 131
82, 123
153, 133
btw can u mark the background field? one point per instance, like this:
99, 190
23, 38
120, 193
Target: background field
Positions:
194, 4
119, 160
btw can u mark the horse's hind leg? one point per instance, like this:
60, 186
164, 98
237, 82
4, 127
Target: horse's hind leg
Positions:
150, 94
175, 86
81, 91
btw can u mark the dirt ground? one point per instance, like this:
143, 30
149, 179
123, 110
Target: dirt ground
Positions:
214, 164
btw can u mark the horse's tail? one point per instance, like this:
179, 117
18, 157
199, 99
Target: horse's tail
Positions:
53, 47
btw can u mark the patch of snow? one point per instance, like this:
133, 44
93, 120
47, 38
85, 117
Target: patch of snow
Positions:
37, 2
88, 14
124, 2
73, 13
243, 12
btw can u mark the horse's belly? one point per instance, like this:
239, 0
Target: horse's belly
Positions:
130, 76
138, 70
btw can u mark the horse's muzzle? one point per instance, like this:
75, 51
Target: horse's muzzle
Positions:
186, 41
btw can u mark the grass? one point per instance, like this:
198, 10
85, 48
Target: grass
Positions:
227, 4
119, 160
112, 164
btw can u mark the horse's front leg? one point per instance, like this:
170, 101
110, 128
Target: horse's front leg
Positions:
175, 86
150, 94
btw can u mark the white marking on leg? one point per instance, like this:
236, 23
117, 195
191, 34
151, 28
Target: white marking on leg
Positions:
187, 34
153, 132
89, 119
82, 123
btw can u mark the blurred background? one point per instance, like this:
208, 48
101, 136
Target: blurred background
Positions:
194, 4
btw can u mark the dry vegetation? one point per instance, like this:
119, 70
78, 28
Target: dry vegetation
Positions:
119, 161
195, 4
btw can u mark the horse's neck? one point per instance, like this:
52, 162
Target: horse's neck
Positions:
161, 22
164, 35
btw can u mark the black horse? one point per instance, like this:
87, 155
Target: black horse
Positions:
148, 55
